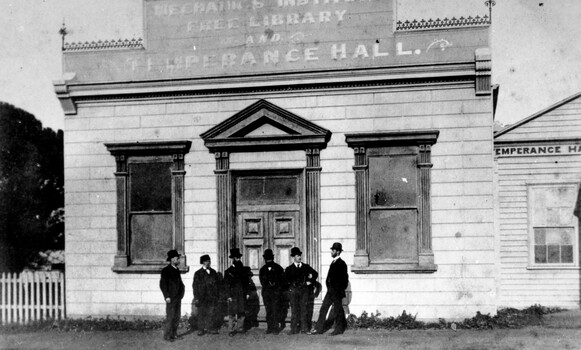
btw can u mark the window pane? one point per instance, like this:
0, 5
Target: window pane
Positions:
394, 235
392, 181
265, 190
151, 236
554, 255
540, 254
150, 186
566, 254
540, 236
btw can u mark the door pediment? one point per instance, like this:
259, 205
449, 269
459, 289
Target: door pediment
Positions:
264, 126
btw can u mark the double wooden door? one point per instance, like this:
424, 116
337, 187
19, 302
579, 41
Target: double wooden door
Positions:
268, 216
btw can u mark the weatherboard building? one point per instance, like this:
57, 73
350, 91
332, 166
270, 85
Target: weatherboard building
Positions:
255, 125
538, 162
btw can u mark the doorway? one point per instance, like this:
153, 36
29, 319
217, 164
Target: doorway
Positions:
268, 211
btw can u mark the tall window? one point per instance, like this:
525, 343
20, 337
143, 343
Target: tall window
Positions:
150, 179
392, 176
553, 225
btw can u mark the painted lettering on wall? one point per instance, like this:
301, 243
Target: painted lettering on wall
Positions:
544, 150
189, 37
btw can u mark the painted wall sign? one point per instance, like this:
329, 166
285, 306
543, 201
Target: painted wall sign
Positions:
186, 38
544, 150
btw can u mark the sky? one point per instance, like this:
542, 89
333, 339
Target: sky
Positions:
535, 45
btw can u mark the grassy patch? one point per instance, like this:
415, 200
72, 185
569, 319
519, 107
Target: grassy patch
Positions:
505, 318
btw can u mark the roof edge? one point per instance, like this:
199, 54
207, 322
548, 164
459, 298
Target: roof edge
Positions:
536, 115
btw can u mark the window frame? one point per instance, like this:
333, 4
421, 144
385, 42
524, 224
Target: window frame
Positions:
366, 145
532, 265
148, 152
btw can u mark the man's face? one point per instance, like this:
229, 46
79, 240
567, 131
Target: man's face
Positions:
207, 263
298, 258
334, 253
175, 261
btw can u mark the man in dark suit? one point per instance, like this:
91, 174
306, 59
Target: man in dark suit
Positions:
300, 277
337, 282
206, 296
236, 280
173, 288
271, 277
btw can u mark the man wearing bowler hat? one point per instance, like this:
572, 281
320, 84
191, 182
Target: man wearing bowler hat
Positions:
173, 288
271, 277
236, 280
337, 282
206, 296
300, 277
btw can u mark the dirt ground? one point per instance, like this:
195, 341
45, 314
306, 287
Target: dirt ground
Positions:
526, 338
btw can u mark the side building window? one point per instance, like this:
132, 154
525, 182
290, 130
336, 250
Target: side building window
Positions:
554, 229
150, 218
393, 219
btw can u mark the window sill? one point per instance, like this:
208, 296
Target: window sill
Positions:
394, 268
561, 267
153, 269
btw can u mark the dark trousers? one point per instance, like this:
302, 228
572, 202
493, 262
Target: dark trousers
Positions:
332, 298
172, 313
206, 312
272, 299
299, 303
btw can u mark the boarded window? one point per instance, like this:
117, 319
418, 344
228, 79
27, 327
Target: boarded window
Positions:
150, 216
393, 207
553, 223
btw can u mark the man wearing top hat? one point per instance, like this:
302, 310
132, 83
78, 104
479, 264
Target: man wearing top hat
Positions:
173, 288
271, 277
236, 280
337, 282
300, 277
206, 296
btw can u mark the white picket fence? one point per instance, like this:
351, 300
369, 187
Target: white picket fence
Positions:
32, 296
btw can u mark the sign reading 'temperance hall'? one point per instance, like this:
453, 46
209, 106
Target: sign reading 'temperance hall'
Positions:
186, 38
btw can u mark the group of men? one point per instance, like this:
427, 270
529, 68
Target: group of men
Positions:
297, 283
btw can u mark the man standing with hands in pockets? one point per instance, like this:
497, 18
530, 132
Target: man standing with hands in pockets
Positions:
337, 282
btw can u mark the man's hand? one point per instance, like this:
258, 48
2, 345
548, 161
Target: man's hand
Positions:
247, 296
229, 299
167, 300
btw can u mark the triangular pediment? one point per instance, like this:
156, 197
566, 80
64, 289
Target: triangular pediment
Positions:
265, 126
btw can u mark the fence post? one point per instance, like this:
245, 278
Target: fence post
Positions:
24, 278
62, 293
3, 301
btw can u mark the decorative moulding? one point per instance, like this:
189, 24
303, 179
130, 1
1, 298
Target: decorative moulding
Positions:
483, 83
104, 45
443, 23
407, 137
238, 133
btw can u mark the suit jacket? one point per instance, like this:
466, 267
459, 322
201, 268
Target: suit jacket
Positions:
298, 278
271, 276
337, 278
237, 283
205, 286
171, 284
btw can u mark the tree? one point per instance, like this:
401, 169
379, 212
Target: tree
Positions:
31, 188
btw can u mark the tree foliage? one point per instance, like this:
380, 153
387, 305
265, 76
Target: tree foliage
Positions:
31, 188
